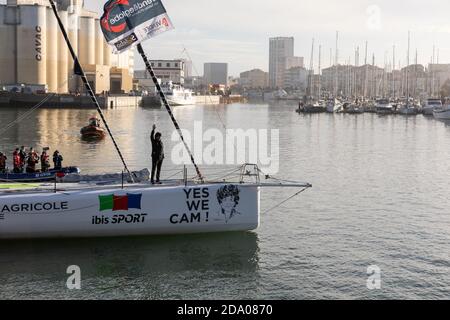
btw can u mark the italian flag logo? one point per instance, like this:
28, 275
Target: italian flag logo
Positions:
120, 202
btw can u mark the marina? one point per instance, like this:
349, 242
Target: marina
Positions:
394, 216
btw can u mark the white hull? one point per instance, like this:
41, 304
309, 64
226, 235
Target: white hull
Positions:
129, 212
442, 114
181, 102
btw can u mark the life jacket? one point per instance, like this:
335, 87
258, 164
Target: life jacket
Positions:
32, 160
44, 158
17, 161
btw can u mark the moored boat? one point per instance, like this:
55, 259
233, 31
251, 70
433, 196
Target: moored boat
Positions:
333, 106
431, 105
442, 113
38, 176
176, 95
407, 109
384, 106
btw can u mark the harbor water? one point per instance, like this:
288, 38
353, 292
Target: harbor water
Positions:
380, 197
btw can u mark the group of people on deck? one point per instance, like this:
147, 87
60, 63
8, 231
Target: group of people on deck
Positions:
27, 161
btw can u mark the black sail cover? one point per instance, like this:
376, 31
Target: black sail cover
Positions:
126, 23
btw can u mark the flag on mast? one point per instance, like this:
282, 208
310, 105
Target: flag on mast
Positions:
126, 23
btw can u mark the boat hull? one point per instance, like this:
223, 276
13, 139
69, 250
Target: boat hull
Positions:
428, 111
92, 132
36, 177
442, 114
180, 102
130, 212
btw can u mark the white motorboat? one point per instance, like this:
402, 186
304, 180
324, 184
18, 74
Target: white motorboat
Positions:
384, 106
431, 105
442, 113
334, 105
176, 95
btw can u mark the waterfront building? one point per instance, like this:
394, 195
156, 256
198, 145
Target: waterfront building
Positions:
281, 58
294, 62
215, 74
253, 79
34, 52
296, 78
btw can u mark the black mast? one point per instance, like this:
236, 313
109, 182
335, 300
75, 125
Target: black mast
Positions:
78, 70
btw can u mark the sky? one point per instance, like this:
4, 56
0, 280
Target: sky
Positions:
237, 31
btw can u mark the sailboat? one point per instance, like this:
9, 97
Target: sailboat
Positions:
176, 207
311, 104
408, 107
334, 105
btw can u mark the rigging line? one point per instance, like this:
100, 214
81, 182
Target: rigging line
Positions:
34, 108
167, 106
79, 71
284, 201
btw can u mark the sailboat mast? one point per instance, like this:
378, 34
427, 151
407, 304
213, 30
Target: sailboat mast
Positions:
311, 70
393, 72
78, 70
336, 82
432, 72
407, 67
366, 78
320, 71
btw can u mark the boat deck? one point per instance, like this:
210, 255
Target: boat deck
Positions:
8, 189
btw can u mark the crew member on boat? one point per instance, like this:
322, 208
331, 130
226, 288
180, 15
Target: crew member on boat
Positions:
3, 159
45, 161
23, 158
57, 160
17, 161
157, 155
94, 122
32, 160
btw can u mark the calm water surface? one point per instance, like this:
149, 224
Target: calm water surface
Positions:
380, 197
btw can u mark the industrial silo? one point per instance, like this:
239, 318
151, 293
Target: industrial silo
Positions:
86, 40
106, 54
98, 43
31, 45
63, 65
72, 26
8, 47
52, 52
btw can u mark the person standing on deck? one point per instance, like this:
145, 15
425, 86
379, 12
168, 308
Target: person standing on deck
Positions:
32, 160
45, 161
57, 160
3, 159
17, 161
23, 158
157, 155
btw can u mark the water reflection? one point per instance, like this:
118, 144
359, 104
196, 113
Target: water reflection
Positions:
145, 264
